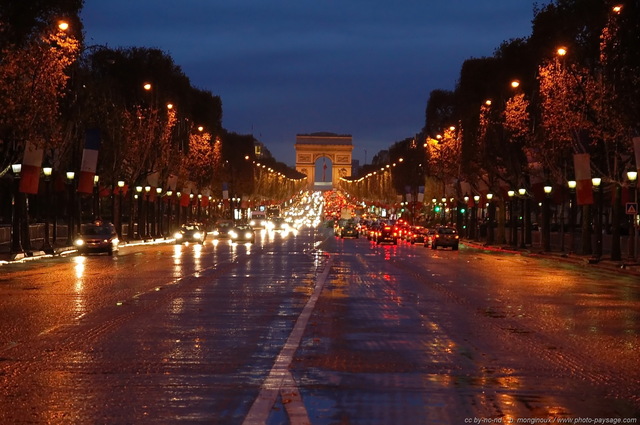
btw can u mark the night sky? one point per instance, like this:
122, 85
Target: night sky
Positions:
359, 67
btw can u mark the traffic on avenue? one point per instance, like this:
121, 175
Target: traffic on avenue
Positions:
318, 320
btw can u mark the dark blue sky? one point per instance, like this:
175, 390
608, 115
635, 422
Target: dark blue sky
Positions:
359, 67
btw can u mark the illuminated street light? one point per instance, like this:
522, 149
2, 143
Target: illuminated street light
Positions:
147, 86
63, 25
515, 84
633, 177
561, 51
597, 184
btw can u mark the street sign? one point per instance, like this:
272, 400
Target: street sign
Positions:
632, 208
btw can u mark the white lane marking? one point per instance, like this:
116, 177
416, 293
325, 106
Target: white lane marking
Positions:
259, 412
293, 402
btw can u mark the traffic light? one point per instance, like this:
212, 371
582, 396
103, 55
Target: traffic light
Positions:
463, 210
437, 208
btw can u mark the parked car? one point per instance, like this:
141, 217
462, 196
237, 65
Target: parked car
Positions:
446, 237
349, 231
190, 232
221, 229
98, 236
242, 233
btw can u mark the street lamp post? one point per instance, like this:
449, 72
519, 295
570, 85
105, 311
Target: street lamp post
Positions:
491, 218
159, 212
46, 245
465, 217
523, 194
178, 209
147, 190
512, 218
572, 214
199, 207
169, 195
597, 183
546, 218
120, 207
633, 177
71, 213
140, 231
474, 217
96, 197
16, 243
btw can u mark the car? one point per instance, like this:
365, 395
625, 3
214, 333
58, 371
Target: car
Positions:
97, 236
418, 234
190, 232
222, 228
387, 233
428, 238
349, 231
278, 224
446, 237
242, 233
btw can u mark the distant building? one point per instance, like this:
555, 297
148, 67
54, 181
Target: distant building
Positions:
337, 148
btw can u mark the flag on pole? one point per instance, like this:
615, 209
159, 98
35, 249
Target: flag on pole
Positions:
225, 191
30, 173
205, 198
186, 191
89, 161
584, 187
420, 193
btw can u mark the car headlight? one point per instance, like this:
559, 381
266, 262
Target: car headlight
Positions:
233, 234
216, 233
252, 222
178, 235
197, 235
248, 235
79, 242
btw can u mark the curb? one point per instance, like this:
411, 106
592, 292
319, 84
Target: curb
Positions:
620, 267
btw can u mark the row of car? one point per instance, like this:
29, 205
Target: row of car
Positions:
224, 229
386, 232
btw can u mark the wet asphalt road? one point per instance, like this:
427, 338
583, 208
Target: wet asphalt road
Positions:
309, 329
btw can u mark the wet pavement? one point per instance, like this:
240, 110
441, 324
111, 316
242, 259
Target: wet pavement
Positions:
313, 329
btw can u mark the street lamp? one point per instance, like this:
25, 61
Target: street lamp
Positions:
147, 190
71, 213
523, 194
169, 193
572, 213
491, 218
159, 212
597, 183
546, 219
633, 177
16, 243
120, 207
139, 232
96, 198
474, 217
178, 208
46, 245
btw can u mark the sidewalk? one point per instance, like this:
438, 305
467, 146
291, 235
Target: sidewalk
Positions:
60, 249
605, 263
